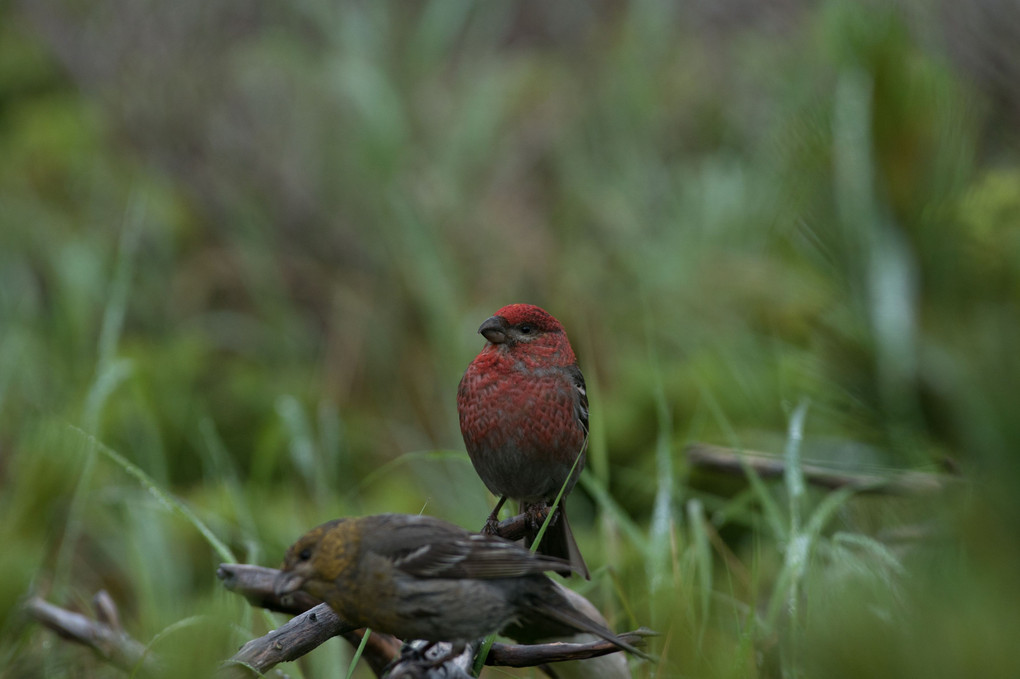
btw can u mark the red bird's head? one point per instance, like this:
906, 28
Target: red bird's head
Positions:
525, 328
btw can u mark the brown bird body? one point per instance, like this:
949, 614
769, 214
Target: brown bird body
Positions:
417, 577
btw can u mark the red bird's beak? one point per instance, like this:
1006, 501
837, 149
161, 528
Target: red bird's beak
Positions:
493, 329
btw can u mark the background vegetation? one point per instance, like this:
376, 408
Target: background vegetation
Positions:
245, 247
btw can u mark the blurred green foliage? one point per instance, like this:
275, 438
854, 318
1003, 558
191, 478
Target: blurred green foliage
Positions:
244, 248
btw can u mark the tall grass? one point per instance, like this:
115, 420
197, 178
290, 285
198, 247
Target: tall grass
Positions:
244, 251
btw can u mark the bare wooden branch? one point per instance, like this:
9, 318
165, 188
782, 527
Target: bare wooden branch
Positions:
255, 583
106, 610
109, 643
520, 526
518, 655
314, 624
733, 462
291, 641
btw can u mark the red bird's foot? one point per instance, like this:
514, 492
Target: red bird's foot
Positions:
535, 515
491, 526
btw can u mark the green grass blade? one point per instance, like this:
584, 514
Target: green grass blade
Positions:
165, 498
702, 553
773, 513
483, 653
609, 506
793, 475
559, 496
357, 653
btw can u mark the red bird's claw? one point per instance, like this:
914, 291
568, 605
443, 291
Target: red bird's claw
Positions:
491, 527
536, 516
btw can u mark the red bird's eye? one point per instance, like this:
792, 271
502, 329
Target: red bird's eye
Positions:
526, 329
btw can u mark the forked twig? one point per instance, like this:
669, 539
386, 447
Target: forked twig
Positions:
103, 635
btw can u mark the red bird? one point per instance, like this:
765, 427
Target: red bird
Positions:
524, 416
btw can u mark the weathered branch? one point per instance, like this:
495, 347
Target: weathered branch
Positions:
255, 583
733, 462
291, 641
518, 655
315, 623
102, 635
520, 526
303, 633
512, 655
297, 637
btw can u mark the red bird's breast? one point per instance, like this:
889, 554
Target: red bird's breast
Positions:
519, 418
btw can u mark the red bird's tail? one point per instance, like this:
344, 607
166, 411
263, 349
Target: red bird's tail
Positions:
559, 541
